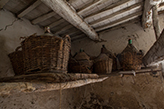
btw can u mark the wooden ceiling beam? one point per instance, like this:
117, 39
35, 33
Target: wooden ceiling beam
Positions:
3, 3
119, 21
147, 13
127, 9
43, 17
107, 9
30, 8
64, 9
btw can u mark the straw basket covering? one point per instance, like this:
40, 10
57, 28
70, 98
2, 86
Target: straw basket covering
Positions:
103, 64
80, 64
110, 55
131, 58
16, 59
46, 53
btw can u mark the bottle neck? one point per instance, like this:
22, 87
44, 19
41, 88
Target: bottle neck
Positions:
130, 41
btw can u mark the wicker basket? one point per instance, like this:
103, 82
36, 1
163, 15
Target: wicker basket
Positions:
16, 59
131, 58
110, 55
46, 53
103, 64
80, 64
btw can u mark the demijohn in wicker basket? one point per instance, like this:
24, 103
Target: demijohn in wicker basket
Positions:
46, 53
131, 58
16, 59
81, 63
110, 55
103, 64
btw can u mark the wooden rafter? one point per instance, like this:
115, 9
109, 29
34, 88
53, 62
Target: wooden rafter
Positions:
147, 13
121, 20
62, 8
3, 3
30, 8
43, 17
127, 9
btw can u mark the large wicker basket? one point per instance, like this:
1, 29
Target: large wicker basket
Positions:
16, 59
46, 53
131, 58
80, 64
103, 64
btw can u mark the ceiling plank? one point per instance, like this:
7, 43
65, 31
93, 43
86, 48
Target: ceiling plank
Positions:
43, 17
108, 8
62, 8
3, 3
56, 23
121, 20
138, 5
87, 8
30, 8
64, 29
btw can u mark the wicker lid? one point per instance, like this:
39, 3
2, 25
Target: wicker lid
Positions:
82, 56
102, 57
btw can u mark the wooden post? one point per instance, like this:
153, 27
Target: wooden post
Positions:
156, 21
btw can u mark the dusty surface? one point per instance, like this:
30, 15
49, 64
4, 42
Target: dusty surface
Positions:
143, 91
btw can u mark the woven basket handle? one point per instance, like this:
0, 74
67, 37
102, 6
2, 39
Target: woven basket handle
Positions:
68, 38
17, 49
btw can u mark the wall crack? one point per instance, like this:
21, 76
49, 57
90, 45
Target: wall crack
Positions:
5, 28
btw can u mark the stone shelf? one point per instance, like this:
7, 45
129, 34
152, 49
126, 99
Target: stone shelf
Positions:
46, 82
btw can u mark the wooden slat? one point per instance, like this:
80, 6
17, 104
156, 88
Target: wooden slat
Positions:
138, 5
64, 29
62, 8
30, 8
87, 8
156, 52
107, 9
116, 22
3, 3
56, 23
43, 17
124, 24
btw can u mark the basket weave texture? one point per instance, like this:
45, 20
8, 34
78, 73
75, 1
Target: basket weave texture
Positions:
46, 53
81, 63
131, 58
16, 59
103, 64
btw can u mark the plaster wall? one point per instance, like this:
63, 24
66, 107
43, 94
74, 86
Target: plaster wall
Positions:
11, 29
117, 39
